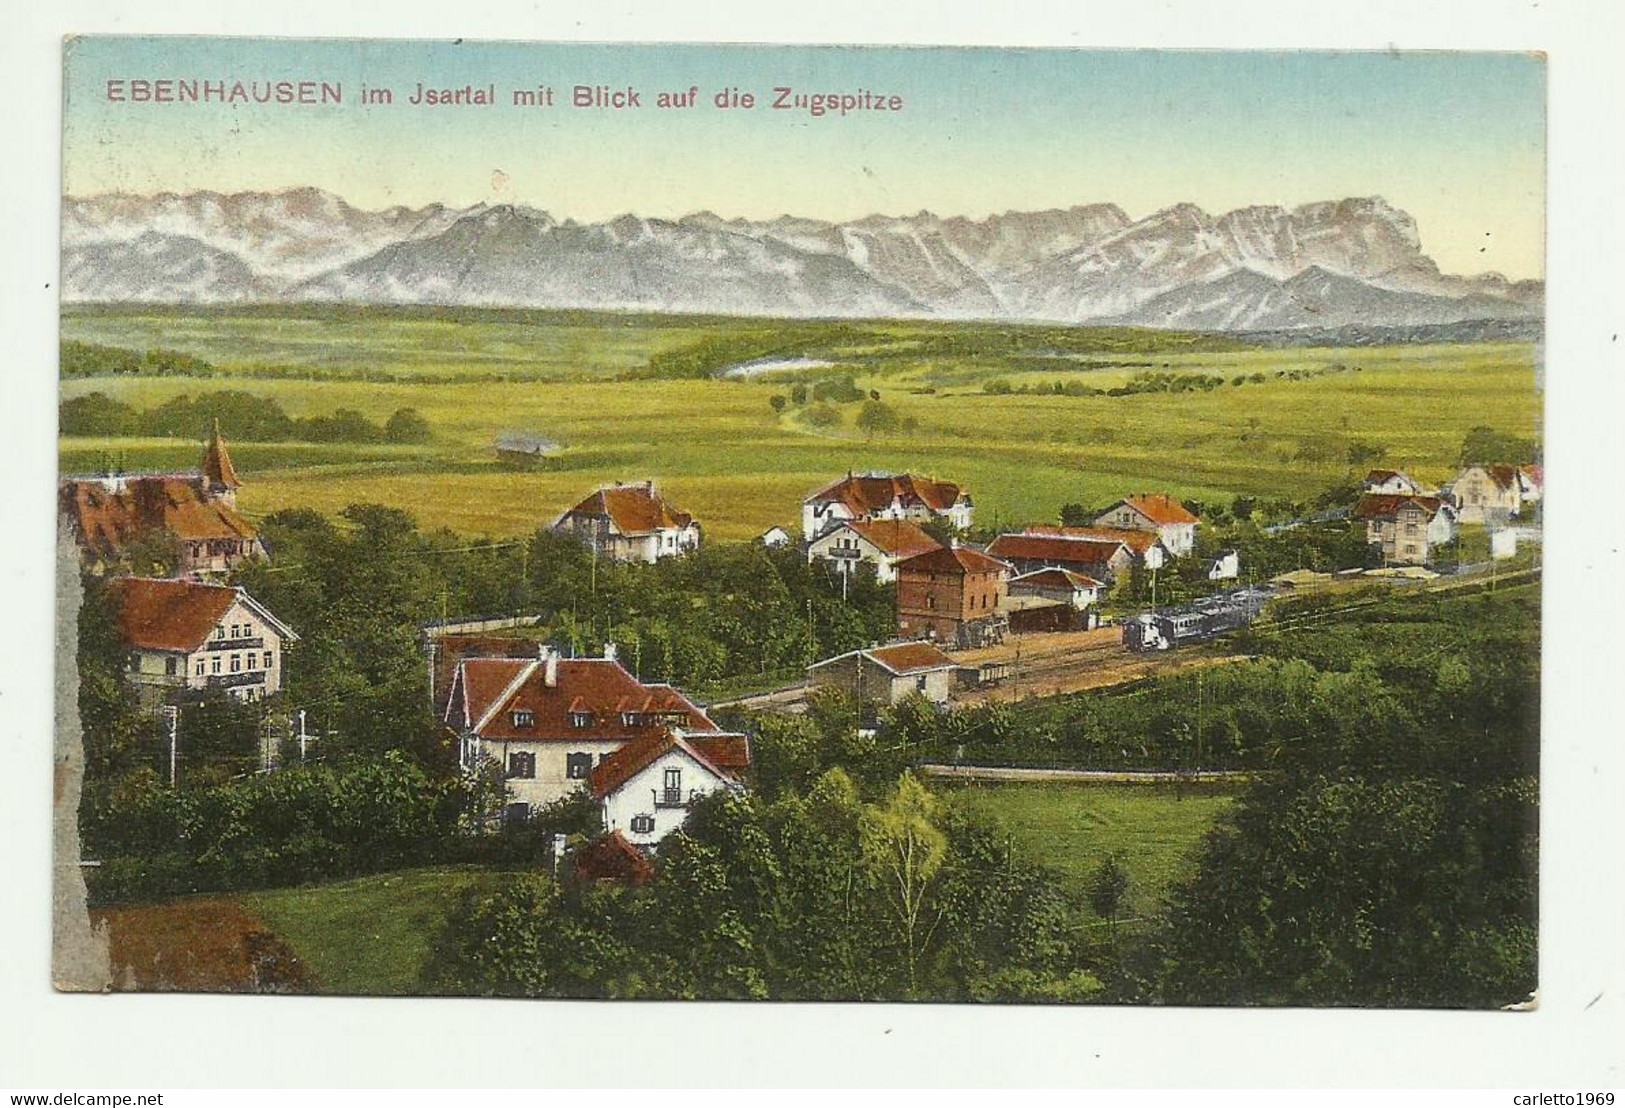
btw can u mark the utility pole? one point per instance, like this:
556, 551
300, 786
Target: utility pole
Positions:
172, 719
303, 736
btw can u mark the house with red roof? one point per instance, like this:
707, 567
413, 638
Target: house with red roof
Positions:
953, 595
111, 513
548, 721
1103, 559
189, 636
1495, 493
879, 543
888, 674
1407, 528
630, 523
866, 496
1146, 547
1172, 522
1392, 482
644, 789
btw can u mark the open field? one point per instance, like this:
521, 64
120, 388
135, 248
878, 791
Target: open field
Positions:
1072, 828
723, 453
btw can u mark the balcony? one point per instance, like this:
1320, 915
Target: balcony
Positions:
670, 798
233, 680
235, 644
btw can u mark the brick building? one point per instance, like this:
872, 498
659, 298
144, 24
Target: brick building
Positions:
952, 595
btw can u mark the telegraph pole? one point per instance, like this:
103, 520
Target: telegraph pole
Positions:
303, 736
172, 719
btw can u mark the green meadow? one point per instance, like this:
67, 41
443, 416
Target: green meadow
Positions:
595, 383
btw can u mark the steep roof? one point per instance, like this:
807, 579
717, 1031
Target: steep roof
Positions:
1137, 541
1060, 550
612, 858
1159, 508
1504, 476
106, 520
902, 659
217, 469
632, 510
896, 537
1536, 475
867, 493
164, 614
1056, 577
630, 760
490, 690
1385, 505
1378, 476
952, 559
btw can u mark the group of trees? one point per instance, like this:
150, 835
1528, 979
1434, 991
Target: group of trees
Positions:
242, 416
809, 895
85, 359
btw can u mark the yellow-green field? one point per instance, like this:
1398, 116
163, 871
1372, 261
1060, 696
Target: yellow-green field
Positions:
723, 453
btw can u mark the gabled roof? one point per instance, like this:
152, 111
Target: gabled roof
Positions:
1061, 550
867, 493
958, 560
900, 659
897, 538
630, 760
106, 520
1137, 541
217, 469
1535, 475
1056, 577
486, 693
1159, 508
632, 510
612, 858
1504, 476
1386, 505
164, 614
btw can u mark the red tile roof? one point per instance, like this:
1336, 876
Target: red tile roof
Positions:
866, 494
958, 560
1137, 541
1378, 476
631, 759
632, 509
1058, 550
106, 521
1056, 577
911, 657
156, 614
1384, 505
612, 858
1161, 509
490, 690
1535, 474
896, 537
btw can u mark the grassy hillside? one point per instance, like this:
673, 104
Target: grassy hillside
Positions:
723, 451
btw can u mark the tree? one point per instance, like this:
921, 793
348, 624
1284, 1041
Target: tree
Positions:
776, 402
407, 426
1108, 890
1484, 445
876, 416
798, 394
904, 849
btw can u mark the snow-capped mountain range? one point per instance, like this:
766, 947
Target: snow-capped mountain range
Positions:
1355, 261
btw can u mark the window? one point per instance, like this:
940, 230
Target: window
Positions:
219, 630
522, 765
672, 792
268, 659
523, 718
577, 766
214, 664
200, 667
171, 665
253, 660
236, 663
919, 683
633, 719
674, 779
643, 825
580, 719
135, 663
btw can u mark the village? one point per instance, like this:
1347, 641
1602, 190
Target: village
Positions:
1042, 609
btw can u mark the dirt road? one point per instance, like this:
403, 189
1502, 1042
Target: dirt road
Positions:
1073, 661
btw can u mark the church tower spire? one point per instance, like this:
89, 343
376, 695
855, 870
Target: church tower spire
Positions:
219, 475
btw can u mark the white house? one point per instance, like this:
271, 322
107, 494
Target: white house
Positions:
887, 674
644, 790
1495, 493
880, 543
1225, 567
630, 523
1172, 522
885, 496
184, 635
1391, 482
774, 538
548, 721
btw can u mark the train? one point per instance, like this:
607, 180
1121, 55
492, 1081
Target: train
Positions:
1205, 619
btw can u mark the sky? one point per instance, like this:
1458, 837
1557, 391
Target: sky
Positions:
1455, 139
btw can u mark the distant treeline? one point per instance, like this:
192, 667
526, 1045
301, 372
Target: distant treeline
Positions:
88, 359
1158, 382
243, 416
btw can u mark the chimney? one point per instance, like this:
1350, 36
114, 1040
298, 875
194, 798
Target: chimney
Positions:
610, 652
550, 675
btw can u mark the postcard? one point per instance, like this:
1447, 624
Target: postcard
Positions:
789, 523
